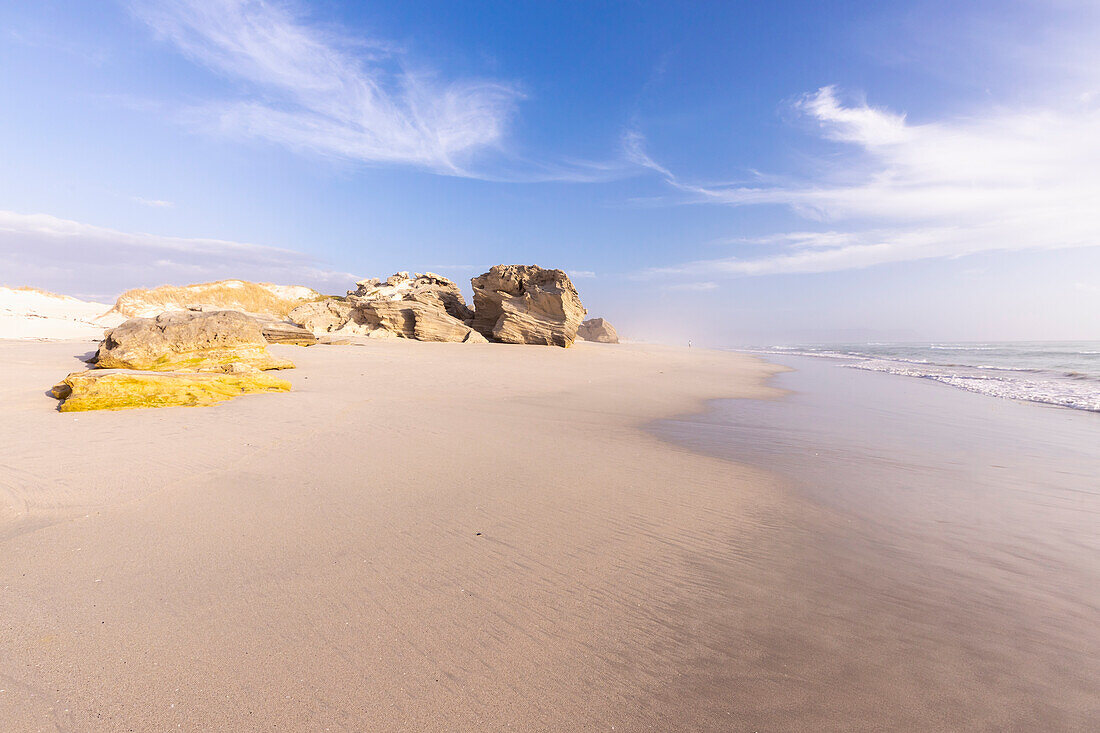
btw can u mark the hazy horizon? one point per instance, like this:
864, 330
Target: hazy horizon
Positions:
732, 174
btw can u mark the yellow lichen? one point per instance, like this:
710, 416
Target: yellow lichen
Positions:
111, 390
204, 360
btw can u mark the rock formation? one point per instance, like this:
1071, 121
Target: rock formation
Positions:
325, 316
597, 329
427, 288
285, 332
124, 389
275, 330
187, 341
263, 299
414, 319
426, 307
526, 304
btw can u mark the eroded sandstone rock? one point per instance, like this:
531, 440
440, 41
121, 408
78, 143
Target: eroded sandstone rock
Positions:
427, 288
187, 341
426, 307
101, 389
527, 304
599, 330
414, 319
284, 332
323, 316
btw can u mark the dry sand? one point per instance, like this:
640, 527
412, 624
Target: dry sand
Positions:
420, 536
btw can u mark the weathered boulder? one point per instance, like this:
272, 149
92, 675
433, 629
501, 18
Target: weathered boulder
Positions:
285, 332
597, 329
323, 316
187, 341
426, 307
276, 330
102, 389
413, 319
426, 287
526, 304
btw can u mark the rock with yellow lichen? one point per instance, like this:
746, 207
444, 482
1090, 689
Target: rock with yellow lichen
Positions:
178, 359
187, 341
109, 389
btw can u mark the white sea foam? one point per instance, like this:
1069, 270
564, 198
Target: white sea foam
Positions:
1066, 374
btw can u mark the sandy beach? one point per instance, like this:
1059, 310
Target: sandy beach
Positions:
547, 366
456, 537
419, 536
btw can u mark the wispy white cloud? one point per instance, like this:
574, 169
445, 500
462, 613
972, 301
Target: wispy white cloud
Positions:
1009, 179
581, 274
311, 89
691, 287
634, 148
154, 203
66, 256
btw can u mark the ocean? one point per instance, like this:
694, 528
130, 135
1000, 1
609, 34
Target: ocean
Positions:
1062, 373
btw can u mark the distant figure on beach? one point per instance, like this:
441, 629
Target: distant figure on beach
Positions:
689, 343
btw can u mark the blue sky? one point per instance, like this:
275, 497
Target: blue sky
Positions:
729, 172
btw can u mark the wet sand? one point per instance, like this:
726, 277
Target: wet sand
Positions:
951, 580
453, 537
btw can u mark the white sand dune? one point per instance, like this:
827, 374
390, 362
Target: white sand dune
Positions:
29, 313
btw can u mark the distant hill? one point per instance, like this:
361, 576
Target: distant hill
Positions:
250, 297
30, 313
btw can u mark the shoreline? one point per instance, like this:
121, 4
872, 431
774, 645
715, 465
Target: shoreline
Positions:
950, 582
1050, 373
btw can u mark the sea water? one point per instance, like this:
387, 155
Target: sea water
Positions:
1063, 373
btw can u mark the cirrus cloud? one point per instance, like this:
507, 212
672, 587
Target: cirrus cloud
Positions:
1009, 179
311, 89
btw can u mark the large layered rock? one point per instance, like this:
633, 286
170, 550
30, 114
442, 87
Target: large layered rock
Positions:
187, 341
276, 330
413, 319
426, 307
100, 389
427, 288
599, 330
526, 304
285, 332
324, 316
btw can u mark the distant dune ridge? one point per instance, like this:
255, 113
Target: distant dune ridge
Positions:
30, 313
260, 298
